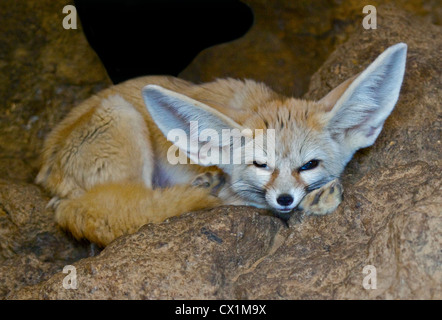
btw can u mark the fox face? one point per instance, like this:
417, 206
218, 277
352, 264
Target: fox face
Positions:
300, 157
285, 147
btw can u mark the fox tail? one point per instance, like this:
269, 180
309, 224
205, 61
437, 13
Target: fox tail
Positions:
111, 210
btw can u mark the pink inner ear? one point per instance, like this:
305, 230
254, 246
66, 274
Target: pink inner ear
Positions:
333, 96
371, 131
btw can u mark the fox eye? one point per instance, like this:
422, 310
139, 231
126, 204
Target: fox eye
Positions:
309, 165
260, 165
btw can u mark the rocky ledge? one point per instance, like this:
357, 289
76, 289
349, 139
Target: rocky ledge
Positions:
390, 218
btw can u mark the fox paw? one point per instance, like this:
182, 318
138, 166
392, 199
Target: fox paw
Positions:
212, 180
324, 200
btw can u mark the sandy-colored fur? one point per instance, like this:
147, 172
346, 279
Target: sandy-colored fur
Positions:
98, 162
110, 210
106, 163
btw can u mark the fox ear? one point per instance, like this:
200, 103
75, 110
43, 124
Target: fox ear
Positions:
177, 115
359, 107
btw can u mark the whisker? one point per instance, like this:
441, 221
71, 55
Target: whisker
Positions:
318, 184
245, 190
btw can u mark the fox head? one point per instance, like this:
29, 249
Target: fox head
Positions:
298, 145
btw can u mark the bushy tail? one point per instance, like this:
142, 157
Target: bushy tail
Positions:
112, 210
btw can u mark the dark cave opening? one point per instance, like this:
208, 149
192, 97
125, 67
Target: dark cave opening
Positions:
147, 37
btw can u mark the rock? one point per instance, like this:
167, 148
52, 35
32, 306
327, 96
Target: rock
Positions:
390, 218
412, 132
290, 40
202, 251
45, 70
406, 246
32, 247
240, 253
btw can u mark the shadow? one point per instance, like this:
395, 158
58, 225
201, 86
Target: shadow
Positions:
146, 37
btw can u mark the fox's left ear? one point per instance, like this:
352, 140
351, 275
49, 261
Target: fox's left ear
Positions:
360, 105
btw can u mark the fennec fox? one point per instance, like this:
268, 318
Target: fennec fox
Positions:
111, 168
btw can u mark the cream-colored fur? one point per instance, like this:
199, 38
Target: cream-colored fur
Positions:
107, 168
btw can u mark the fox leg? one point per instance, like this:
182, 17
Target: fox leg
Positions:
324, 200
211, 180
112, 210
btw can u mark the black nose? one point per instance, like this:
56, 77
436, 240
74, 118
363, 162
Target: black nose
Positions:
285, 200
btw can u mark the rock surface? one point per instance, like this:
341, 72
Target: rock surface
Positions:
390, 219
290, 40
31, 246
45, 70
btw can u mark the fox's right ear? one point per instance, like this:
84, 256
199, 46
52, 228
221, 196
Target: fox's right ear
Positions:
359, 107
173, 113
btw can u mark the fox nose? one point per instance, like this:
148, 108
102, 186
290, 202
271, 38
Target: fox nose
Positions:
285, 200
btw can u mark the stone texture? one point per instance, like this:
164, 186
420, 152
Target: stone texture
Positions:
32, 247
45, 70
240, 253
412, 132
290, 40
390, 218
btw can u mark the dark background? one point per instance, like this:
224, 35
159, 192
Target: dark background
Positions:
145, 37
